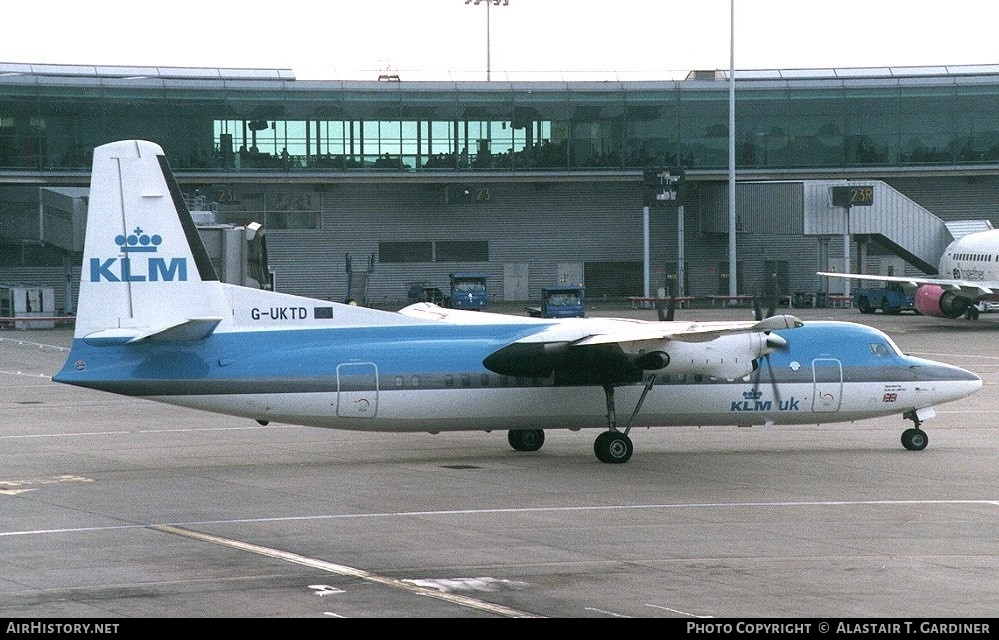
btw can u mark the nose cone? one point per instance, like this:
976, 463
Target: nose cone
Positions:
944, 382
969, 384
974, 383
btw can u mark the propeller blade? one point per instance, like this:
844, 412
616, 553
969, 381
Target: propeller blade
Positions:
773, 383
758, 373
773, 342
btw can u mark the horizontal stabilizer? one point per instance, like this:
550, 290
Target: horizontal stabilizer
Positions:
187, 331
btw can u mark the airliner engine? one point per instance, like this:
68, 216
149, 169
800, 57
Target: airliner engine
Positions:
933, 300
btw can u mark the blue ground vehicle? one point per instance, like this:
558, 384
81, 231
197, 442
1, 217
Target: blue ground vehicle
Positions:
468, 291
891, 299
560, 301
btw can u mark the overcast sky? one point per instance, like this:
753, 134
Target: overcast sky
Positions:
529, 39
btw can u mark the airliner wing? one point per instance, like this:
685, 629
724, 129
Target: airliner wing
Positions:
614, 351
972, 289
591, 331
619, 350
577, 332
431, 311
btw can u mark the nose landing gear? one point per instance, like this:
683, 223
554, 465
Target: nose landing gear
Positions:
914, 438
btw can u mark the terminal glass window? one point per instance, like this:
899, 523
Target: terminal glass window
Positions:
870, 124
703, 127
927, 133
597, 133
651, 136
977, 135
380, 144
761, 139
857, 121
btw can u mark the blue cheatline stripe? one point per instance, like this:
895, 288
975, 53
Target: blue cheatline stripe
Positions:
418, 356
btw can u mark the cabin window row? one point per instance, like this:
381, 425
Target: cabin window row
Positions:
976, 257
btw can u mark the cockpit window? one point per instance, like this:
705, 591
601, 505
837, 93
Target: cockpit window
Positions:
884, 349
878, 349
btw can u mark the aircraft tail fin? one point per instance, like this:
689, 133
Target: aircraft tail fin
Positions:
147, 277
144, 266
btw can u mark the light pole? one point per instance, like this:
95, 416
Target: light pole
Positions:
487, 3
733, 282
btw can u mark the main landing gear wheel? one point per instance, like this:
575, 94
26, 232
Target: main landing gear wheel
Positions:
526, 439
915, 439
613, 447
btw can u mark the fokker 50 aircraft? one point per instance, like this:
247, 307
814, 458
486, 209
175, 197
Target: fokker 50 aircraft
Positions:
154, 322
969, 273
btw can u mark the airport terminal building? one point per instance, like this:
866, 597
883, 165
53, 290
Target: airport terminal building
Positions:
531, 183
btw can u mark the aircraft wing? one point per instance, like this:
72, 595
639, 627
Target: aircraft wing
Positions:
618, 330
617, 350
592, 331
972, 289
437, 313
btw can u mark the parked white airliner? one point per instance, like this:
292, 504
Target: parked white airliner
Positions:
968, 274
155, 322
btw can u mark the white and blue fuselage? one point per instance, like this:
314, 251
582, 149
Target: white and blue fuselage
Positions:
155, 322
431, 378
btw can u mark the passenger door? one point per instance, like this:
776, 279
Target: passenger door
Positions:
827, 376
357, 390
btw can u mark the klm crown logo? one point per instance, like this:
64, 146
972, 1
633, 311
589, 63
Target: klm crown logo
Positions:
137, 242
126, 269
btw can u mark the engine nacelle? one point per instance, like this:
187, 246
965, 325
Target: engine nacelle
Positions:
652, 361
727, 356
730, 356
932, 300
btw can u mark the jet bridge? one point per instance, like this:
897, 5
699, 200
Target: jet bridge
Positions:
238, 252
884, 216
